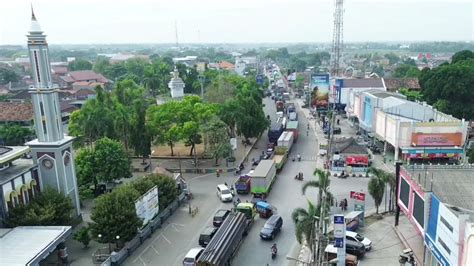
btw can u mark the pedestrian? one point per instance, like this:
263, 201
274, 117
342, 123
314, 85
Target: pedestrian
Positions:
341, 204
307, 133
338, 121
225, 183
345, 204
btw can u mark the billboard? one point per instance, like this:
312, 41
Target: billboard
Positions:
147, 205
320, 87
444, 139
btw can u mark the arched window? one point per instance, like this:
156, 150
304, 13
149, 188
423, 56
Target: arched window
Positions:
33, 189
24, 194
12, 200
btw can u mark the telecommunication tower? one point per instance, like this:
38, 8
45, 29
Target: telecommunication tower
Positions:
337, 39
176, 33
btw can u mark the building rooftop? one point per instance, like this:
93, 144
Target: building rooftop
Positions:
393, 84
347, 146
11, 153
85, 75
363, 83
16, 112
41, 241
452, 184
18, 167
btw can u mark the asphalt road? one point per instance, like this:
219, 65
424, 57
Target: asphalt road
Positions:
180, 233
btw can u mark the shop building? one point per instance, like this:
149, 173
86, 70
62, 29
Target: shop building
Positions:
438, 200
349, 157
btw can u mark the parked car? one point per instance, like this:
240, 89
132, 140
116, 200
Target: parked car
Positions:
207, 235
355, 248
271, 227
356, 237
219, 217
224, 193
335, 130
192, 256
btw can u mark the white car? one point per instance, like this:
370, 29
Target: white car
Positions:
224, 193
356, 237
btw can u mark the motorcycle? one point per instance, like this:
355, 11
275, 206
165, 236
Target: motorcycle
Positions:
299, 158
274, 251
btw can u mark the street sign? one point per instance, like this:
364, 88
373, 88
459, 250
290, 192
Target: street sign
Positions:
339, 238
260, 79
339, 242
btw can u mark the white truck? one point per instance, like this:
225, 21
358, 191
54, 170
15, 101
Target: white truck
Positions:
262, 178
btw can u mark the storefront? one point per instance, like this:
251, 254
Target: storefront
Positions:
434, 148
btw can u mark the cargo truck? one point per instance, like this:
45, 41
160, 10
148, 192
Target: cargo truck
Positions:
293, 127
243, 184
275, 132
225, 243
263, 178
285, 142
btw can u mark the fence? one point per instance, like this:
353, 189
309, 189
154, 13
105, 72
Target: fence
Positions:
118, 257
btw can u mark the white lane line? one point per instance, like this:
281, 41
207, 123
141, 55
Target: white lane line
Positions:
175, 228
144, 264
166, 239
156, 251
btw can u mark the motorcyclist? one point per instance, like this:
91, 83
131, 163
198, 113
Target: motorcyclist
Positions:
274, 249
299, 157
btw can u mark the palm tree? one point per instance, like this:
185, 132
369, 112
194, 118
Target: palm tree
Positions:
305, 221
322, 183
385, 178
376, 190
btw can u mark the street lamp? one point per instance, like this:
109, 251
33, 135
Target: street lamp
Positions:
117, 237
100, 237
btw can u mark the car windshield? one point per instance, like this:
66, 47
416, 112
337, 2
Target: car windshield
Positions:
225, 191
359, 237
188, 260
268, 226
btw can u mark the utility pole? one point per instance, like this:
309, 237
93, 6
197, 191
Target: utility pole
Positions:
176, 33
337, 38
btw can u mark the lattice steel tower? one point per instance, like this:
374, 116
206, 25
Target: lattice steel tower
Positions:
337, 39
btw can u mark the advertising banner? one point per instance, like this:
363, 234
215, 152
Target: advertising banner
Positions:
443, 139
147, 205
357, 160
339, 237
320, 87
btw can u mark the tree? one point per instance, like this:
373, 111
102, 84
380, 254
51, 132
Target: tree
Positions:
305, 223
47, 209
449, 88
80, 64
140, 136
114, 215
167, 188
322, 184
107, 161
8, 75
392, 58
83, 236
299, 81
229, 113
218, 137
376, 190
14, 135
470, 154
462, 55
406, 71
411, 95
251, 121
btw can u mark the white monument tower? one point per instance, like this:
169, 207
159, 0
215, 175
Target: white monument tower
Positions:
52, 150
176, 85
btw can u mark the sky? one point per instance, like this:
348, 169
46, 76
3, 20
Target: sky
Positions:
236, 21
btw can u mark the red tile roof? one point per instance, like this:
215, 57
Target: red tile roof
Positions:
60, 70
86, 75
226, 65
393, 84
16, 112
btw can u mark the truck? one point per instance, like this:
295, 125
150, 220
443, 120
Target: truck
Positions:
285, 142
293, 127
280, 106
243, 184
225, 243
248, 209
275, 132
263, 178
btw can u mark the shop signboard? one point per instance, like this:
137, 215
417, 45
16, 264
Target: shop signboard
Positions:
436, 140
339, 237
357, 160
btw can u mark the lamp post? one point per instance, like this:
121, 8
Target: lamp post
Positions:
117, 237
100, 237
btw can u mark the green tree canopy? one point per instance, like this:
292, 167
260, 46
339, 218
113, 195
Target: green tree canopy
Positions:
462, 55
218, 137
80, 64
406, 71
8, 75
14, 135
47, 209
450, 88
114, 215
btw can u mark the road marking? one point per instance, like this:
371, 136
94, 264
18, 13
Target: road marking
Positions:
174, 227
144, 264
197, 177
156, 251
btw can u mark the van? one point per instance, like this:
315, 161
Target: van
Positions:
192, 256
271, 227
331, 254
223, 193
206, 236
219, 217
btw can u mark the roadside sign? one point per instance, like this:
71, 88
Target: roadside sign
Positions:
260, 79
339, 231
358, 195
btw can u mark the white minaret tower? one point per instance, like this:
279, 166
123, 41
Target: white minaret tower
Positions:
52, 151
176, 85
